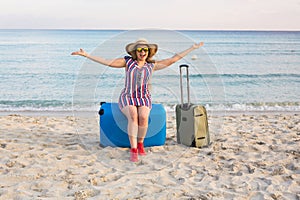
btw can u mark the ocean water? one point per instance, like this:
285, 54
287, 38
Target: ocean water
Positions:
234, 71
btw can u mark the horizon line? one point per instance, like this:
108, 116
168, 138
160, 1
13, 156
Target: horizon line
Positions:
115, 29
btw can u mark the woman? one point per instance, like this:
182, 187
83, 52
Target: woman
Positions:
135, 99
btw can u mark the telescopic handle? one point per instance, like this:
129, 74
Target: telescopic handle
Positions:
188, 83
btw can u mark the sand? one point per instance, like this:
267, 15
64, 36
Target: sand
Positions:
252, 156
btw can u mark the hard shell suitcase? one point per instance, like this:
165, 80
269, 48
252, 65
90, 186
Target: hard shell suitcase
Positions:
113, 126
191, 120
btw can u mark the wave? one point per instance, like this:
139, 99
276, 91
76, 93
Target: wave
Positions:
266, 53
273, 75
247, 75
248, 107
258, 106
120, 75
34, 105
57, 106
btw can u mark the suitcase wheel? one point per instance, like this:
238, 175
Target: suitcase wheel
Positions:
101, 112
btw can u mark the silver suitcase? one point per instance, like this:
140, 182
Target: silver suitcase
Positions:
191, 119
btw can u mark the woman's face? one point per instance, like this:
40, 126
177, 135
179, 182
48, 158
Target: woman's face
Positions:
142, 52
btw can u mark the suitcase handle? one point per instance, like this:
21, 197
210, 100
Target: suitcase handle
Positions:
188, 84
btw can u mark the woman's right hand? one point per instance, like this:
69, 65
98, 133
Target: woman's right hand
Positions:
81, 52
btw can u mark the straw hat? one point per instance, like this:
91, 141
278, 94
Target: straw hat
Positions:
130, 48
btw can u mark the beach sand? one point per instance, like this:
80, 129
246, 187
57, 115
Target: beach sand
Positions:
252, 156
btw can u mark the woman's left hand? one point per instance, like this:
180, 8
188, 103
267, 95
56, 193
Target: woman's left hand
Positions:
198, 45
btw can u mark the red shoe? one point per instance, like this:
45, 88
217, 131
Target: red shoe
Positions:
141, 150
134, 155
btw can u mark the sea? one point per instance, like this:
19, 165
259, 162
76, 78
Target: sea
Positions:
234, 70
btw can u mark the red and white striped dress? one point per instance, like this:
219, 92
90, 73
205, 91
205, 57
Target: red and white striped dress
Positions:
136, 91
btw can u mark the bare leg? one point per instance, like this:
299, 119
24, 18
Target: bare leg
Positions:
131, 114
143, 117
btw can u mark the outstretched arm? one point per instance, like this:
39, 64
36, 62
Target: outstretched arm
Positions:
169, 61
117, 63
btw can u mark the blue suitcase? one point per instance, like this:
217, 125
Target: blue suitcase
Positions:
113, 126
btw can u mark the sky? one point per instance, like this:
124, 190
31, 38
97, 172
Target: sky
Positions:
139, 14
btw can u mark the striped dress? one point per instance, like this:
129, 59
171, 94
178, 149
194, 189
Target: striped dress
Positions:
136, 84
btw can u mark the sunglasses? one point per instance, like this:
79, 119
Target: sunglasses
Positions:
140, 49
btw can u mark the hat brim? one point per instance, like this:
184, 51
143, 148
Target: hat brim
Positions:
130, 48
